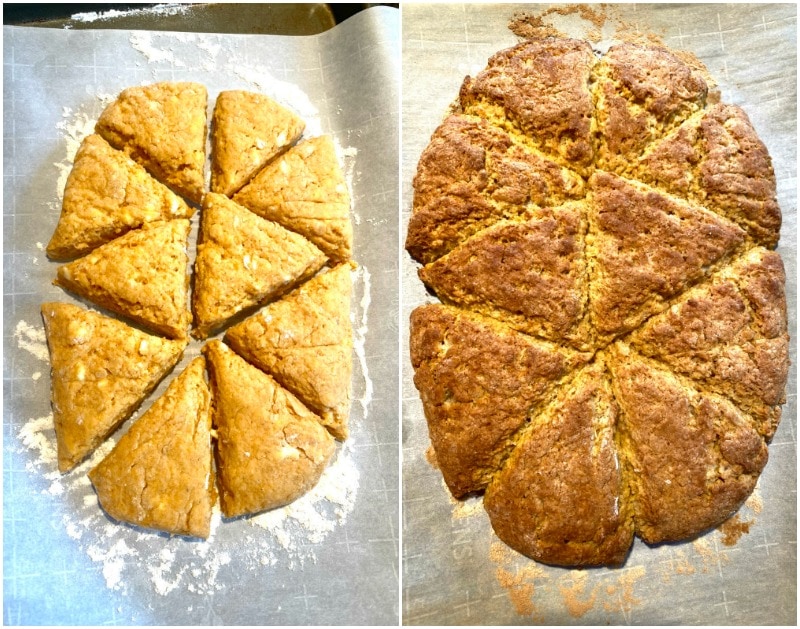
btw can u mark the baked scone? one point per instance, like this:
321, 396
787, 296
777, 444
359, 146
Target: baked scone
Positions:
641, 93
647, 247
540, 90
305, 191
544, 290
106, 195
716, 159
730, 334
597, 218
480, 383
248, 130
473, 174
159, 474
163, 127
101, 370
142, 275
270, 448
692, 458
305, 341
243, 261
559, 497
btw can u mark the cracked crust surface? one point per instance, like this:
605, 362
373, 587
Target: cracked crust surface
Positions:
249, 130
101, 370
163, 127
304, 190
165, 461
270, 448
243, 261
142, 275
106, 195
655, 262
305, 341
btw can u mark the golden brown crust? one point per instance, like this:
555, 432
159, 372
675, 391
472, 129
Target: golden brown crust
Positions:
559, 496
163, 127
716, 159
270, 448
691, 458
544, 288
646, 248
159, 473
305, 191
540, 89
305, 341
243, 261
479, 382
248, 130
142, 275
473, 174
101, 371
106, 195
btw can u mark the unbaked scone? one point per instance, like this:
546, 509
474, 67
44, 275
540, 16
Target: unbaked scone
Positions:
243, 261
106, 195
305, 341
142, 275
248, 130
159, 474
305, 191
270, 448
101, 371
163, 127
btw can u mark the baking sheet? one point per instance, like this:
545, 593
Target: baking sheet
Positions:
332, 558
455, 570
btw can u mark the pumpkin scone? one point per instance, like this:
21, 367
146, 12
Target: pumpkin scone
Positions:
305, 341
691, 458
645, 248
270, 448
730, 336
159, 474
242, 261
142, 275
101, 371
480, 384
542, 262
106, 195
473, 174
163, 127
248, 130
560, 496
716, 159
305, 191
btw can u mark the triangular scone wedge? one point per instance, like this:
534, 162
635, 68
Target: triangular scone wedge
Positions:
163, 127
243, 261
691, 458
106, 195
305, 190
717, 160
142, 275
544, 286
248, 130
640, 93
729, 334
480, 382
101, 370
645, 248
559, 498
158, 475
305, 341
270, 448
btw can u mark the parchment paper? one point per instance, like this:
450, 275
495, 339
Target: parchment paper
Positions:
455, 570
64, 561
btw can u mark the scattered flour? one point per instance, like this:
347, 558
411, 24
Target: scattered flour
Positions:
360, 329
158, 9
32, 340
